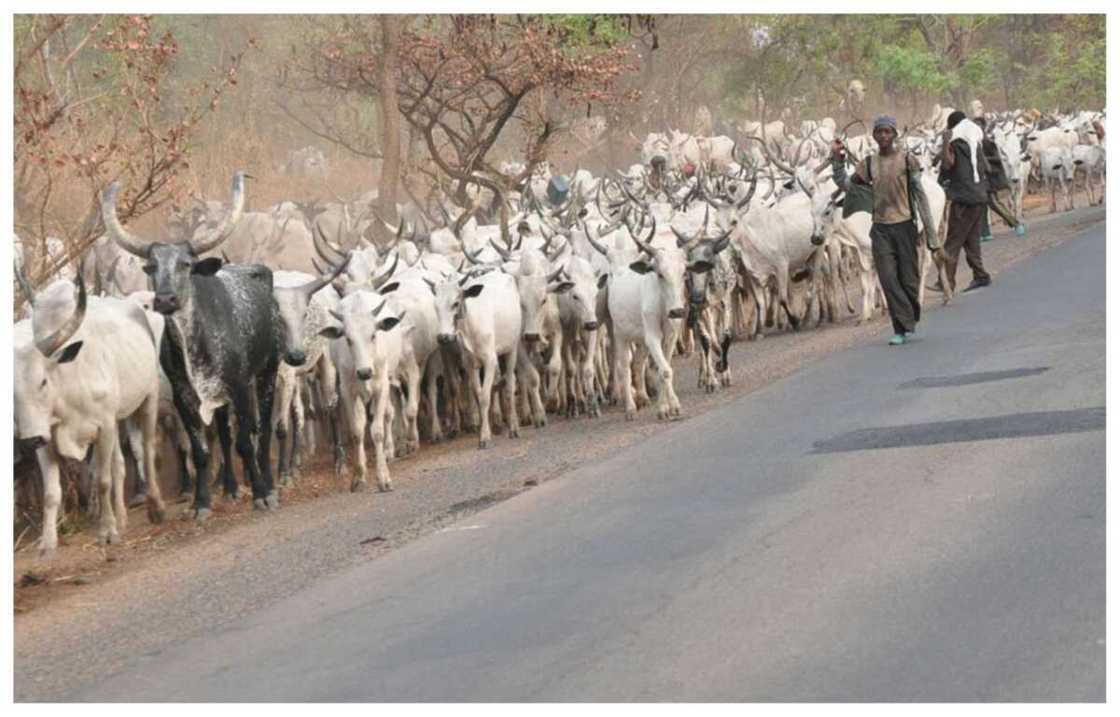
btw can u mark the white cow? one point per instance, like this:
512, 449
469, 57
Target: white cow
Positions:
1090, 160
368, 361
82, 366
1056, 165
483, 315
646, 303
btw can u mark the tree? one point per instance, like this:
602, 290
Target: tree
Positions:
89, 108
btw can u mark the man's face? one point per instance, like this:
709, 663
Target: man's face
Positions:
884, 136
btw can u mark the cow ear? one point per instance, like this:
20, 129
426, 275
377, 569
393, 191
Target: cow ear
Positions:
472, 291
561, 287
700, 267
331, 332
70, 352
603, 281
388, 323
641, 267
207, 267
390, 288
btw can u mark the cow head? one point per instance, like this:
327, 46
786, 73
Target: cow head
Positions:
450, 299
170, 266
534, 288
293, 303
824, 208
668, 266
365, 328
41, 353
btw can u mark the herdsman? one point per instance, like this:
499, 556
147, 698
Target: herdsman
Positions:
966, 192
897, 201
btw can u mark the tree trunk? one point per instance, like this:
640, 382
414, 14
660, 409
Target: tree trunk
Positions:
387, 184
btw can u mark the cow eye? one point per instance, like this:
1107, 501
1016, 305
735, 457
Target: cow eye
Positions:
43, 384
149, 268
184, 264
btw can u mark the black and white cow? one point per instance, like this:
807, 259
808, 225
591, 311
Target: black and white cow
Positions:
221, 339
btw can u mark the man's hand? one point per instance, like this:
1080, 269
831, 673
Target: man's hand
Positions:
837, 149
938, 255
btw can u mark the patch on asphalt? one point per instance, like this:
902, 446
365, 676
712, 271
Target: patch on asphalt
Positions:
1012, 425
966, 379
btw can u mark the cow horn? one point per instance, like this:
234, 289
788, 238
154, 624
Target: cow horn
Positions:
220, 233
644, 246
336, 315
750, 193
111, 277
126, 240
311, 287
501, 252
554, 275
773, 160
323, 248
431, 284
24, 284
472, 257
376, 283
594, 244
49, 344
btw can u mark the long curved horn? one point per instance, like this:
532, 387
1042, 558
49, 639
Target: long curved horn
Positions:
750, 193
57, 339
376, 283
127, 241
770, 157
223, 230
554, 275
323, 248
24, 284
501, 252
111, 277
559, 250
594, 244
644, 246
311, 287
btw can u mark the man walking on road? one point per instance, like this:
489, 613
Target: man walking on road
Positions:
966, 191
895, 180
997, 184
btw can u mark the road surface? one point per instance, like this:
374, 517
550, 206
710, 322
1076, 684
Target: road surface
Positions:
917, 523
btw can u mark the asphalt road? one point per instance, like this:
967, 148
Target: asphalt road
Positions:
916, 523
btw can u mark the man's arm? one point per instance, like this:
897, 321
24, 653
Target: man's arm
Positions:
839, 174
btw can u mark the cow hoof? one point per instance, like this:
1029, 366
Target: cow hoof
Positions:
138, 500
47, 554
631, 415
359, 486
200, 515
386, 487
109, 538
232, 497
272, 500
155, 513
540, 422
259, 504
514, 433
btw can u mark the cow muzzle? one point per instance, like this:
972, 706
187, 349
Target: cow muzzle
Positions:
446, 339
677, 313
531, 338
365, 374
817, 239
590, 325
295, 358
165, 303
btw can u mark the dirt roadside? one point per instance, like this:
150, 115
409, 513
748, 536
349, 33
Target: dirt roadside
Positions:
97, 610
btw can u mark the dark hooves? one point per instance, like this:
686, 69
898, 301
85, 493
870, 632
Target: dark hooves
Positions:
200, 514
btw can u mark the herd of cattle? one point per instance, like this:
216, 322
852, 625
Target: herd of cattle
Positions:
241, 324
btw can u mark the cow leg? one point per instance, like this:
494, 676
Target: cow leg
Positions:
286, 386
52, 498
230, 488
299, 427
119, 476
434, 369
149, 419
638, 375
380, 434
266, 392
531, 384
511, 394
670, 406
622, 367
356, 417
483, 390
591, 341
177, 436
724, 366
412, 407
105, 450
